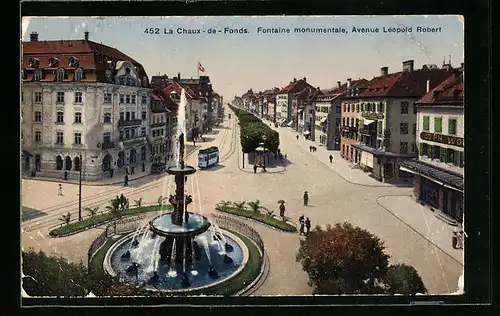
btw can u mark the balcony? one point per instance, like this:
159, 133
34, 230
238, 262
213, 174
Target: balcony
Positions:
368, 131
134, 141
134, 122
108, 145
158, 124
372, 115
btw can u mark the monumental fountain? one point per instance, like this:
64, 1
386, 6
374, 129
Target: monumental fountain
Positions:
177, 251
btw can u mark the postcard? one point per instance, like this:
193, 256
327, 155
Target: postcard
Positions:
242, 156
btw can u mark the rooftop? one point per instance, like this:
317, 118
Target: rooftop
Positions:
450, 91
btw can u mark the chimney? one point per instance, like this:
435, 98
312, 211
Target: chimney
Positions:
408, 65
34, 37
348, 82
86, 35
304, 79
294, 79
338, 84
428, 86
384, 71
179, 76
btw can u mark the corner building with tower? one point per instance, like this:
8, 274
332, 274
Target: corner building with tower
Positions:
79, 97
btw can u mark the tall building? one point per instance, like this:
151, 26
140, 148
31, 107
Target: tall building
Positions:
379, 122
163, 121
82, 99
439, 169
285, 111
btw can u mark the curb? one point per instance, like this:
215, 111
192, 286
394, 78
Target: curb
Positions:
248, 171
95, 183
260, 279
256, 221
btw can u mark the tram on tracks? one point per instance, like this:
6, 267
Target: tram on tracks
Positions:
208, 157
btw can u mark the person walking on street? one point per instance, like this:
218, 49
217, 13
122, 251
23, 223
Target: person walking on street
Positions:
125, 182
301, 229
254, 168
331, 158
306, 198
301, 219
143, 167
310, 149
297, 137
282, 210
60, 190
308, 226
65, 175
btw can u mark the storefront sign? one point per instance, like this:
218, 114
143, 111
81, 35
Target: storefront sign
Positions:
372, 116
443, 139
367, 159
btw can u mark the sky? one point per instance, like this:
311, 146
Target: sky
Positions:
237, 62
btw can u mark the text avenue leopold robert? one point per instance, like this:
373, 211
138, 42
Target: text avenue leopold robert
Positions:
296, 30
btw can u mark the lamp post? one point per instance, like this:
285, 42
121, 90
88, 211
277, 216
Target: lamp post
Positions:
264, 153
80, 190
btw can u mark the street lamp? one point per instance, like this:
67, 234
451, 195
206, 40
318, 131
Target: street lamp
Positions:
80, 190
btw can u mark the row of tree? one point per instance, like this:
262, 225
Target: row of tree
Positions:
343, 259
254, 131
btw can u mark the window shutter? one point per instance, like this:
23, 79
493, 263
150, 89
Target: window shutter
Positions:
462, 162
450, 127
379, 127
457, 157
437, 125
426, 123
442, 153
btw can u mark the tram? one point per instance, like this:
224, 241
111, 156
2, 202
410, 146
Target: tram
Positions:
208, 157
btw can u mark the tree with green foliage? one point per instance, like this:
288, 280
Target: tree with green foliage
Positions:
343, 259
65, 218
403, 279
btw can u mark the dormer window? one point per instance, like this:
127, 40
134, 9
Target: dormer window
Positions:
60, 74
53, 62
127, 71
38, 75
144, 81
34, 62
109, 76
73, 62
79, 74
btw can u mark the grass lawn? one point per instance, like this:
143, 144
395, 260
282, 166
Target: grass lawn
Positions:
229, 287
263, 218
96, 220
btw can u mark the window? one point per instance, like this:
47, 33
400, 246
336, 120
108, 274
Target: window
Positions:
345, 107
60, 97
442, 154
127, 98
78, 74
122, 98
78, 138
133, 116
127, 133
403, 128
413, 147
133, 99
424, 149
122, 116
78, 117
60, 117
143, 131
61, 74
461, 159
352, 122
107, 118
437, 125
452, 126
404, 107
132, 133
38, 116
343, 121
337, 122
415, 108
121, 135
414, 128
106, 137
78, 97
127, 116
38, 75
38, 136
144, 99
107, 97
144, 115
426, 123
59, 138
403, 147
348, 108
38, 97
450, 155
379, 127
382, 107
357, 107
357, 122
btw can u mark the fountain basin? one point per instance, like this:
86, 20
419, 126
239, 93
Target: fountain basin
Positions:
162, 225
187, 170
170, 277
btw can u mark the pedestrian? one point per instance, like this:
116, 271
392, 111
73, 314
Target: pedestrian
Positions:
301, 219
65, 175
60, 190
301, 230
331, 158
111, 171
143, 167
308, 226
125, 183
282, 210
306, 198
285, 156
310, 148
254, 168
194, 142
132, 169
297, 137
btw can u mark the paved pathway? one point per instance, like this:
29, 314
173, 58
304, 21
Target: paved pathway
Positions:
332, 200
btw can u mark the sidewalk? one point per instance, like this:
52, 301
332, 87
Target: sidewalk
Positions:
339, 165
118, 175
422, 220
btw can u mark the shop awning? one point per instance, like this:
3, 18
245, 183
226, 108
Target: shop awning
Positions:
441, 176
307, 133
368, 122
290, 123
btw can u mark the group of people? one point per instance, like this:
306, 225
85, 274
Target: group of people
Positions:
312, 148
304, 223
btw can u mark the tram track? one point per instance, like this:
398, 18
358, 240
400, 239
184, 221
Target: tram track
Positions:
232, 147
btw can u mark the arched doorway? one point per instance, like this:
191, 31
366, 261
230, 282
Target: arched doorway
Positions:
26, 163
106, 162
121, 159
76, 162
67, 163
143, 153
133, 155
59, 163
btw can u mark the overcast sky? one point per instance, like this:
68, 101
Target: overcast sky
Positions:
236, 62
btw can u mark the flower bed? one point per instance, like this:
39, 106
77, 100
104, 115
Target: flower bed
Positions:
97, 220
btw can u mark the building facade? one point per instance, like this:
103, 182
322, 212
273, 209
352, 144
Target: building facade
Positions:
380, 120
162, 123
288, 102
439, 169
84, 106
